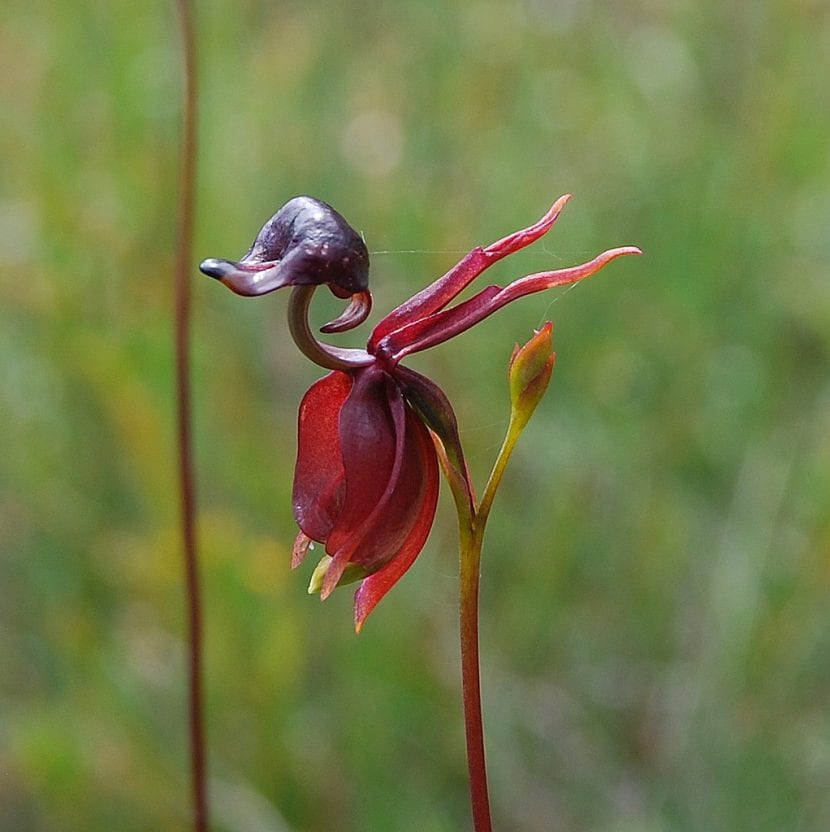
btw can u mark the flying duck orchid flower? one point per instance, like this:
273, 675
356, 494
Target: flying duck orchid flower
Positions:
371, 432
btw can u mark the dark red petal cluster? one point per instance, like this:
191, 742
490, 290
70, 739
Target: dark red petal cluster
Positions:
440, 292
366, 479
319, 474
426, 320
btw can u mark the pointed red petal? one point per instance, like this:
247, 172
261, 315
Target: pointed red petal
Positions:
318, 474
302, 543
448, 323
438, 294
521, 239
373, 588
334, 573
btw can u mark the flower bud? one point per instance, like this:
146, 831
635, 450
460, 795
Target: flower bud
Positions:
529, 373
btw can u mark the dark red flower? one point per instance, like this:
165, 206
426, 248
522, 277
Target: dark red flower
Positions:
366, 478
366, 481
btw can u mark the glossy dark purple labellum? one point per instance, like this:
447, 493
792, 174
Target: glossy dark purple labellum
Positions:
306, 243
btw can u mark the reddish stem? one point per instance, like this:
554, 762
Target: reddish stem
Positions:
471, 681
187, 486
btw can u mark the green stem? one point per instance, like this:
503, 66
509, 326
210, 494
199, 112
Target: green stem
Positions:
514, 430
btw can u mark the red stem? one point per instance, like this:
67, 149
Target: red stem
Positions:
184, 246
471, 682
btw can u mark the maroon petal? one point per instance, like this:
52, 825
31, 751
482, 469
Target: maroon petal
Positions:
370, 444
435, 411
420, 517
384, 530
448, 323
392, 519
438, 294
319, 473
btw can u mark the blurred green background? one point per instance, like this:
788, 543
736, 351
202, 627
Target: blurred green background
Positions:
656, 628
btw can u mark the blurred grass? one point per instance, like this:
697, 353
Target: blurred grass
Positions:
655, 633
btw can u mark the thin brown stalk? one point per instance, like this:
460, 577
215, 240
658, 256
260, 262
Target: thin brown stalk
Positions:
187, 487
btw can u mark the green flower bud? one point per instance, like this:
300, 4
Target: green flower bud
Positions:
529, 373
